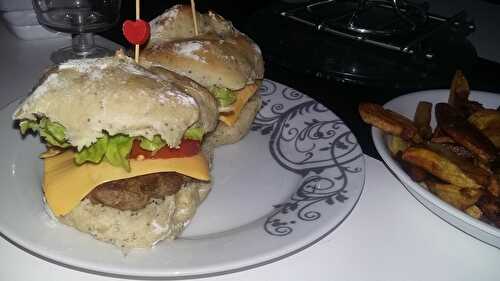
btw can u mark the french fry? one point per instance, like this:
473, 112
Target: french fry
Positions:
459, 90
461, 198
477, 170
449, 170
488, 121
490, 206
416, 173
389, 121
459, 150
493, 134
396, 145
472, 107
422, 119
494, 186
474, 211
485, 118
439, 136
461, 131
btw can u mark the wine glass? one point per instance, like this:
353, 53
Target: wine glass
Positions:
81, 18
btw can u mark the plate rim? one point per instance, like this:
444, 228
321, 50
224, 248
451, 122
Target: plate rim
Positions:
296, 246
378, 138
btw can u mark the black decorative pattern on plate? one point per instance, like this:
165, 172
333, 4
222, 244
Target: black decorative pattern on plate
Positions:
307, 139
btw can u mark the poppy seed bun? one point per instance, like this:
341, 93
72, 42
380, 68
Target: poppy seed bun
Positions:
118, 96
220, 55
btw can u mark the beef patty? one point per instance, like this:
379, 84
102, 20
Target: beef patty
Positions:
134, 193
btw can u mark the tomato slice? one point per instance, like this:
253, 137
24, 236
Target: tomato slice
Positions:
187, 148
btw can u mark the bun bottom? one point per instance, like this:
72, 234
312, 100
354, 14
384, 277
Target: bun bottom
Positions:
225, 134
161, 219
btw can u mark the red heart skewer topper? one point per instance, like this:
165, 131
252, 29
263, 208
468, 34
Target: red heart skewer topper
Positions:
136, 32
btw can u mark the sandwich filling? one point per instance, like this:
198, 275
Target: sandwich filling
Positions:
66, 183
242, 98
119, 171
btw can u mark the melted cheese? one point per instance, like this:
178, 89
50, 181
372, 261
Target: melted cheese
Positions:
242, 97
66, 184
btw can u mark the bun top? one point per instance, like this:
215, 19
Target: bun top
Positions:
115, 95
220, 55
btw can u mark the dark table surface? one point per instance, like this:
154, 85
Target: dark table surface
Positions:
341, 98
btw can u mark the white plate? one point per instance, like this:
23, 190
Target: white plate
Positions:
291, 181
406, 105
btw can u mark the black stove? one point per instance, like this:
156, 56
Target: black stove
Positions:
391, 43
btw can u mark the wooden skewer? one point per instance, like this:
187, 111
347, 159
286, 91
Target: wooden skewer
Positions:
137, 48
137, 9
193, 10
137, 17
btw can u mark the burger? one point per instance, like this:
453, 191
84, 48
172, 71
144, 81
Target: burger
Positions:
124, 159
220, 58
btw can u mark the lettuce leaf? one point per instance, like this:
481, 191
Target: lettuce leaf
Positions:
194, 133
52, 132
113, 149
93, 153
26, 125
224, 96
56, 130
152, 145
119, 147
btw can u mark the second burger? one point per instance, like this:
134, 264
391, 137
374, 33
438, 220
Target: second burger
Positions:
220, 58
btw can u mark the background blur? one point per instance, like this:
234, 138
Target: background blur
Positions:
485, 13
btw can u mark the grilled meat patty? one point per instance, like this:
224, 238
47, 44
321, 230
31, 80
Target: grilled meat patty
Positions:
134, 193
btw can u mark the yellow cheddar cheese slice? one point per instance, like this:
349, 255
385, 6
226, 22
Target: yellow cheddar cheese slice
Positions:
242, 97
65, 184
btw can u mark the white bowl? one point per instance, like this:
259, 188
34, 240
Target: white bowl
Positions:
406, 105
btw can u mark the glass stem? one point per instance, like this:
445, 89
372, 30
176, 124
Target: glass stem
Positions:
83, 43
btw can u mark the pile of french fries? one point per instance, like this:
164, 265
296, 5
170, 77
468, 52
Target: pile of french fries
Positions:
459, 160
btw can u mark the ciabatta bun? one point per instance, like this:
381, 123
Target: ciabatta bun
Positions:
116, 95
219, 56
